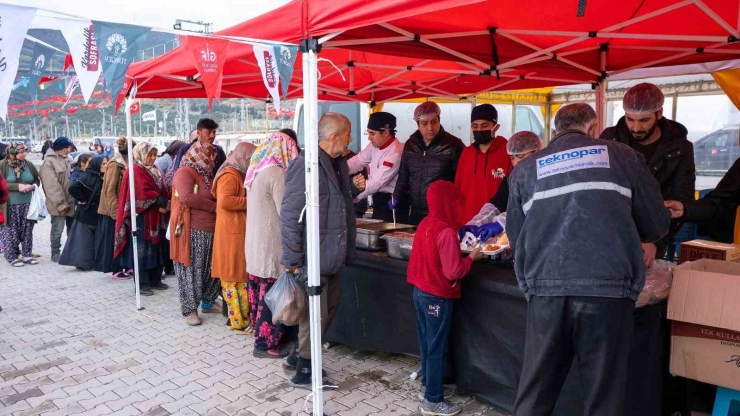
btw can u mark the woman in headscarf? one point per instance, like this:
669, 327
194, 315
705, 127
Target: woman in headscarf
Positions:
265, 183
150, 204
229, 263
108, 210
79, 249
164, 162
22, 178
191, 232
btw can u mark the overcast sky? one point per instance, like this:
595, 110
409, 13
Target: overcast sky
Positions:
160, 13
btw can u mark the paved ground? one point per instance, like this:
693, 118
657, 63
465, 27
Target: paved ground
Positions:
73, 343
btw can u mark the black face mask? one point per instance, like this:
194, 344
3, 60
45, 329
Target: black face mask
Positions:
482, 137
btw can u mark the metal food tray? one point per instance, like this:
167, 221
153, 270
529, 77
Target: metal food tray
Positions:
399, 246
368, 235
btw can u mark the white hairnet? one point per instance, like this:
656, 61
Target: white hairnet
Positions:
523, 142
426, 109
643, 98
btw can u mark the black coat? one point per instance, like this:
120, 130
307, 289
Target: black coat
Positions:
672, 166
86, 189
716, 211
337, 223
421, 165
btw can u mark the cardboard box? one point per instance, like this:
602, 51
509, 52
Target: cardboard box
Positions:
701, 249
704, 306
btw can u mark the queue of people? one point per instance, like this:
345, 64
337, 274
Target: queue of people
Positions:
232, 225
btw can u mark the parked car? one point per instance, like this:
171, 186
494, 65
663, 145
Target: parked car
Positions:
100, 143
37, 148
717, 151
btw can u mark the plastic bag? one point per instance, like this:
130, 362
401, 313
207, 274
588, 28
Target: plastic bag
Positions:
486, 215
287, 300
657, 283
37, 209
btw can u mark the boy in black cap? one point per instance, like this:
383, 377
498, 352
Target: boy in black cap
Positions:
484, 164
382, 160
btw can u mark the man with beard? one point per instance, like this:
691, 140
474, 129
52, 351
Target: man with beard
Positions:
663, 144
483, 165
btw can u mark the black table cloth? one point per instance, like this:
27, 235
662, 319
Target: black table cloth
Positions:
488, 331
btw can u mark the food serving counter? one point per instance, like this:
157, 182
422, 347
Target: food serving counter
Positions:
488, 331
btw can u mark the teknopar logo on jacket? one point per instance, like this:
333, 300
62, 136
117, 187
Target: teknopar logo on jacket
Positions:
588, 157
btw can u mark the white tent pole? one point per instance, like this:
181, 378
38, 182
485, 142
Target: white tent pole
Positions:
132, 196
310, 121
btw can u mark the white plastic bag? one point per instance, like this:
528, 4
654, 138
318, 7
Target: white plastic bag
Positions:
486, 215
37, 210
287, 300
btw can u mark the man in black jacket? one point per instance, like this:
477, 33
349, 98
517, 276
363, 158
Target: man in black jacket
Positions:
337, 230
206, 133
717, 210
430, 154
663, 144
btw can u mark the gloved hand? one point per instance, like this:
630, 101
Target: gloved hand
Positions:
393, 203
489, 230
473, 229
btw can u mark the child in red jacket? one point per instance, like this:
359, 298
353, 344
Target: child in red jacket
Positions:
435, 267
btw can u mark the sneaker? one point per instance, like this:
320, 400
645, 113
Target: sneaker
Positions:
449, 391
146, 291
55, 257
443, 408
31, 261
17, 263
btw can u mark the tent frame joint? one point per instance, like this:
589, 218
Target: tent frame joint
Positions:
604, 47
417, 38
732, 39
350, 64
311, 44
492, 30
314, 290
351, 93
593, 34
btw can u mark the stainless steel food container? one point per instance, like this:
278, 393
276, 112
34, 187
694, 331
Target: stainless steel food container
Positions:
398, 248
368, 234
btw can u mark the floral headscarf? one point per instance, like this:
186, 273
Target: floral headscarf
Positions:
11, 152
141, 151
278, 150
201, 157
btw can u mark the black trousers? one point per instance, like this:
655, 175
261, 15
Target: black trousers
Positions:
595, 331
380, 207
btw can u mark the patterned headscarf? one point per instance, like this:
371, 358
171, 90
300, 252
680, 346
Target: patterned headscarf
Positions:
141, 151
201, 157
278, 150
11, 152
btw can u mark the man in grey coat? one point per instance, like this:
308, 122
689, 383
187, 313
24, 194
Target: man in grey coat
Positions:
55, 178
578, 212
337, 229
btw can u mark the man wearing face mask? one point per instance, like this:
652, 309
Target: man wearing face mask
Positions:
663, 144
483, 165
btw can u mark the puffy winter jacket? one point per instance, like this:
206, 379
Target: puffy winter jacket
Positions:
672, 165
421, 165
337, 223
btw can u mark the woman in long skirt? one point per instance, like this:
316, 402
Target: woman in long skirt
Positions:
150, 205
79, 249
108, 209
22, 179
229, 263
265, 183
192, 226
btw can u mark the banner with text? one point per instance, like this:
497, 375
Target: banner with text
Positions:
39, 61
83, 47
265, 55
209, 56
14, 23
286, 55
150, 116
118, 46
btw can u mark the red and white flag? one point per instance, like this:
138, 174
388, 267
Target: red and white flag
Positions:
135, 107
267, 62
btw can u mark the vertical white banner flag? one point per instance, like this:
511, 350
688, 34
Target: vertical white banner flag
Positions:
84, 49
14, 23
265, 55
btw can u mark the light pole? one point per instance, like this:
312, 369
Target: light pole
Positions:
102, 127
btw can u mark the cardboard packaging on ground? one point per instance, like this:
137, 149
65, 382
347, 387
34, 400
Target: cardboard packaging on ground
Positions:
701, 249
704, 306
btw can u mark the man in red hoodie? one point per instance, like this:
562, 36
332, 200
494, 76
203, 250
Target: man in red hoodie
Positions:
435, 267
483, 165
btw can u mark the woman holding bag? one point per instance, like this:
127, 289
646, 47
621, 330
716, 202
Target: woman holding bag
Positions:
229, 263
150, 204
265, 183
191, 232
22, 179
79, 250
